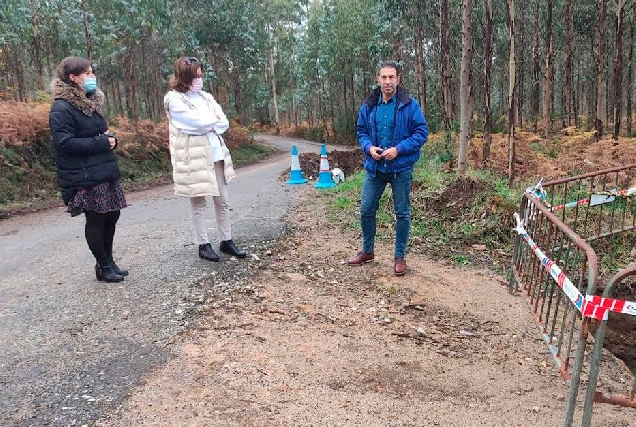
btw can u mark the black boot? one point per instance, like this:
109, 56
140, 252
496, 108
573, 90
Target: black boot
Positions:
206, 252
117, 269
228, 247
107, 274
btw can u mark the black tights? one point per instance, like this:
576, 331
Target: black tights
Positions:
99, 232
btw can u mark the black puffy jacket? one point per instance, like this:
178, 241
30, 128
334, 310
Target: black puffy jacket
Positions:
82, 152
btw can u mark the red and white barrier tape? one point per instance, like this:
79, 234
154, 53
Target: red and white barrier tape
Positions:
591, 306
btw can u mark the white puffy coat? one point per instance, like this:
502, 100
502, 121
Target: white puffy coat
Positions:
191, 156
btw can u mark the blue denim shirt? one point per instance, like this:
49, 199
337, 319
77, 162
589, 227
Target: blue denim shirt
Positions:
385, 125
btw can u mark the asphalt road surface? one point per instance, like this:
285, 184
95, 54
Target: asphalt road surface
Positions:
72, 348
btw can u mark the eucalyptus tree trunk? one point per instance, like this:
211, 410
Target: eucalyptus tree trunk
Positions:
537, 69
13, 58
118, 99
618, 67
569, 86
130, 84
352, 110
521, 74
235, 78
37, 43
465, 104
272, 70
344, 104
159, 87
629, 89
601, 62
511, 92
488, 15
445, 64
87, 33
549, 67
420, 68
274, 94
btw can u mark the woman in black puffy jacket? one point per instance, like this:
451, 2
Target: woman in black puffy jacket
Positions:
87, 169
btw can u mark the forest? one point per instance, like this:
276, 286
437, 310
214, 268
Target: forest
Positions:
474, 65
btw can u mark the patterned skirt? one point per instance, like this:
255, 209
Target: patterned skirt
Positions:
102, 198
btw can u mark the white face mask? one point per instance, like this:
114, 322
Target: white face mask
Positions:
197, 84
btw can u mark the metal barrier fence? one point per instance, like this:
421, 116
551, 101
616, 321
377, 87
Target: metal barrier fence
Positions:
556, 268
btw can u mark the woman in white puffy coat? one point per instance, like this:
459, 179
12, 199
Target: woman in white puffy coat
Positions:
201, 162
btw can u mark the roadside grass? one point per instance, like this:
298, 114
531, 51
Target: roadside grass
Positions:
27, 173
462, 219
249, 153
450, 214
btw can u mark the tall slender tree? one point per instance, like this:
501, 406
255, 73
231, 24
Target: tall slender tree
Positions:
601, 64
272, 76
445, 64
465, 104
87, 32
630, 73
617, 79
536, 77
521, 67
35, 9
569, 60
511, 92
549, 68
488, 16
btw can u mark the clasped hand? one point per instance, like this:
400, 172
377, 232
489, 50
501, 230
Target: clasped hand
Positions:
388, 153
111, 139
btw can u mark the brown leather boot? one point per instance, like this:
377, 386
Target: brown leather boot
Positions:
399, 267
361, 258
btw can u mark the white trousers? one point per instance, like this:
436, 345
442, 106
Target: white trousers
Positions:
221, 211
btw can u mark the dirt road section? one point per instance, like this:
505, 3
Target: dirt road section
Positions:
311, 341
72, 348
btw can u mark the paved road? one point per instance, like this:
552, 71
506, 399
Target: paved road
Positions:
71, 348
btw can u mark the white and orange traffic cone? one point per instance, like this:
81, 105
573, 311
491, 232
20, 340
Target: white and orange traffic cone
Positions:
325, 180
296, 174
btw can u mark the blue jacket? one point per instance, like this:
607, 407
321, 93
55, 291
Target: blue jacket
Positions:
410, 133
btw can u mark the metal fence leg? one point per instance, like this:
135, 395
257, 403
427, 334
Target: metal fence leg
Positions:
595, 366
576, 375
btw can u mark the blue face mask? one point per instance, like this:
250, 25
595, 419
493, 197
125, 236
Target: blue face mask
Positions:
90, 84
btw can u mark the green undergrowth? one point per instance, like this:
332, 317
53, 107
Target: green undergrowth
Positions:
462, 218
27, 173
248, 154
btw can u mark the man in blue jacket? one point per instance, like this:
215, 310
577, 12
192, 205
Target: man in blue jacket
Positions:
391, 130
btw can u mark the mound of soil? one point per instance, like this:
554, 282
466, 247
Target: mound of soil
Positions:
458, 198
349, 161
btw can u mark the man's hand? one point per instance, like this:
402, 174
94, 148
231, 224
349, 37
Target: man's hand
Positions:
376, 152
390, 153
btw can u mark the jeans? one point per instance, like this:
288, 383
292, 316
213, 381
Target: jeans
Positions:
372, 190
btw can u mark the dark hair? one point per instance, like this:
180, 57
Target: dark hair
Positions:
72, 65
185, 71
389, 64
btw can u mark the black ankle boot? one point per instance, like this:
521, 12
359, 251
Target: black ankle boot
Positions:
107, 274
206, 252
118, 270
228, 247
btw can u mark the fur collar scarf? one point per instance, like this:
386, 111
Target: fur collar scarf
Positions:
77, 98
